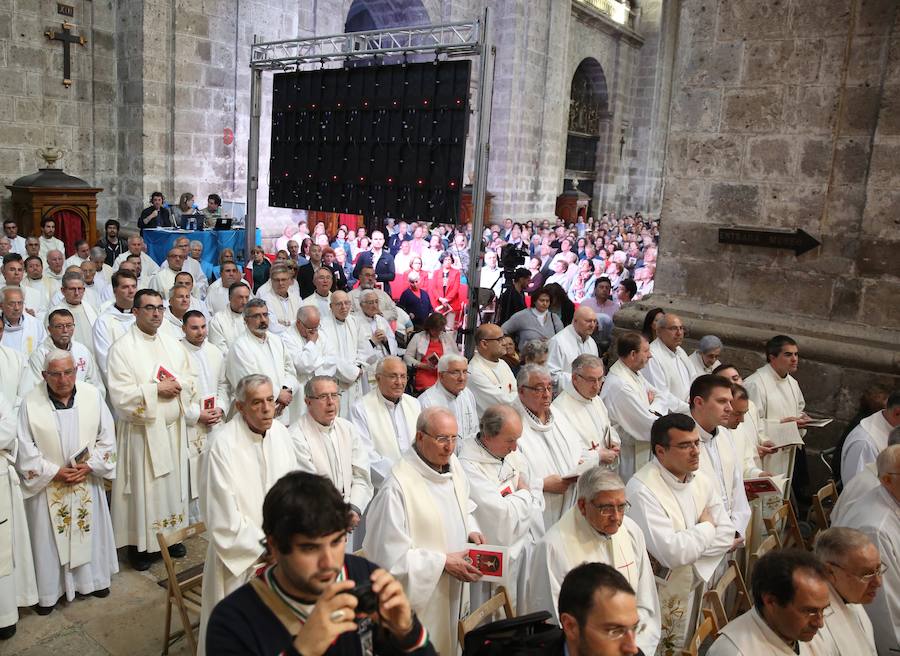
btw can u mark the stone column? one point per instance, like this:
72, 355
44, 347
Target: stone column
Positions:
787, 115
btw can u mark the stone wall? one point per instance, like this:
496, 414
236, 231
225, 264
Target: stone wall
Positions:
785, 115
36, 110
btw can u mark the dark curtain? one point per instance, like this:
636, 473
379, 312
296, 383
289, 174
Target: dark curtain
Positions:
69, 229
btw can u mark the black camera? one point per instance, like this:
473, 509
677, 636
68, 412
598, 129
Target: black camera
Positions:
367, 600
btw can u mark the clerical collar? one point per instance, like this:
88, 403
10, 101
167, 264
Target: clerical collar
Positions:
122, 310
706, 435
486, 450
440, 469
59, 405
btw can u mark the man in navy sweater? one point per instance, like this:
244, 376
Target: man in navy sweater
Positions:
303, 603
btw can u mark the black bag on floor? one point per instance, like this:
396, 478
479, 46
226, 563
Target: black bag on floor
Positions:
528, 635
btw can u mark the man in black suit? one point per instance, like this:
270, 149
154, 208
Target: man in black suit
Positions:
306, 272
598, 613
155, 216
379, 259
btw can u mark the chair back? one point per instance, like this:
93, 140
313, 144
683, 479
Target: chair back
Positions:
485, 611
706, 629
183, 589
729, 597
767, 545
822, 504
784, 526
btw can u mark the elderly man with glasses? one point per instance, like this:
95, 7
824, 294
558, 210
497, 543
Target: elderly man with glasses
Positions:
450, 392
549, 442
420, 527
597, 530
669, 370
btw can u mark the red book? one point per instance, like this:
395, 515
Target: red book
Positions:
490, 560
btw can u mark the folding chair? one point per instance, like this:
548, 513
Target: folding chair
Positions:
822, 504
767, 545
183, 589
706, 629
784, 526
484, 611
729, 591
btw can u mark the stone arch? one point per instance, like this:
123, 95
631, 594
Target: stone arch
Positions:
378, 14
587, 125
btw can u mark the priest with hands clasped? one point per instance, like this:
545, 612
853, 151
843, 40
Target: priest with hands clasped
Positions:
304, 602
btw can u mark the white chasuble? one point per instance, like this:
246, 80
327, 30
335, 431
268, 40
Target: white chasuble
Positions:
388, 429
720, 462
552, 449
417, 518
111, 324
590, 420
85, 318
71, 530
225, 327
863, 444
670, 372
25, 337
17, 581
345, 340
462, 406
251, 355
626, 396
150, 492
572, 542
241, 467
491, 382
749, 635
667, 510
776, 398
510, 516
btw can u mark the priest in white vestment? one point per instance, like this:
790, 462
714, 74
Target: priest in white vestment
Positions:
54, 271
778, 397
218, 292
389, 309
13, 271
869, 438
573, 340
596, 530
580, 403
115, 320
720, 459
791, 606
163, 280
259, 351
192, 266
346, 342
152, 387
877, 514
136, 247
328, 445
490, 378
706, 358
208, 363
386, 418
450, 392
179, 303
380, 340
686, 526
421, 526
48, 240
632, 402
61, 422
549, 443
669, 370
509, 499
226, 326
17, 580
308, 349
282, 303
854, 576
323, 283
21, 331
247, 457
864, 481
85, 315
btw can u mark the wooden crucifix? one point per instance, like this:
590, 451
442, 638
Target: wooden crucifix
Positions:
67, 38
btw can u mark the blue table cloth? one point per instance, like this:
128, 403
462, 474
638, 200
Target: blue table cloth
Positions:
160, 241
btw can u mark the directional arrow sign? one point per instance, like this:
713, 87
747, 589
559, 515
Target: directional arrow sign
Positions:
799, 240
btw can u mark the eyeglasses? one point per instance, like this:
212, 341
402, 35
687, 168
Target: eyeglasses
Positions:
591, 379
685, 446
258, 315
153, 308
539, 388
60, 374
865, 578
63, 326
816, 613
392, 377
443, 440
609, 509
618, 632
492, 339
330, 396
675, 329
459, 373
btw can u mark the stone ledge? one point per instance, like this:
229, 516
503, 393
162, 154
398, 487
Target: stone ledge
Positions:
844, 344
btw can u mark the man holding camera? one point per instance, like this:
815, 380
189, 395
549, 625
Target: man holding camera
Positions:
313, 599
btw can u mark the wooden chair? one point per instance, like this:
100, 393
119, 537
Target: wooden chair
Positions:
488, 608
183, 589
822, 504
767, 545
729, 591
784, 526
706, 629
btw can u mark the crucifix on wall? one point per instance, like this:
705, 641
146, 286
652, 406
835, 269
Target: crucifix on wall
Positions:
67, 38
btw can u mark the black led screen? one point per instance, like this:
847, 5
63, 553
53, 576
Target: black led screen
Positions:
381, 141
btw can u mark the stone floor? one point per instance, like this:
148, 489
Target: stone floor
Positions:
129, 621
